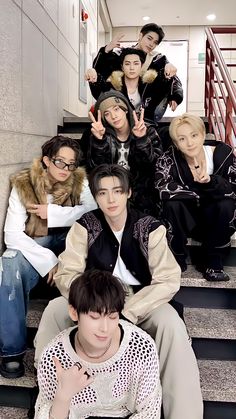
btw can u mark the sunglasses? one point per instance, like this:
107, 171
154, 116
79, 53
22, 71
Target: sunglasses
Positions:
60, 164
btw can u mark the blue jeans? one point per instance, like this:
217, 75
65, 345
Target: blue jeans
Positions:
17, 278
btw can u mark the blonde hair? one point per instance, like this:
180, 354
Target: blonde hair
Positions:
194, 121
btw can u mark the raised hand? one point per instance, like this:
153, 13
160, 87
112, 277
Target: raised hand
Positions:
115, 42
170, 70
200, 173
139, 129
72, 380
91, 75
97, 127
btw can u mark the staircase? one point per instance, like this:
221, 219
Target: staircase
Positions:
210, 315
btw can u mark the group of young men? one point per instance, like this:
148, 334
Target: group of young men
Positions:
108, 234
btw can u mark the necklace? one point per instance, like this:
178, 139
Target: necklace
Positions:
95, 356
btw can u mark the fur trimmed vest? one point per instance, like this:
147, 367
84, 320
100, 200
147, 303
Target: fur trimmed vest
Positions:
116, 78
33, 185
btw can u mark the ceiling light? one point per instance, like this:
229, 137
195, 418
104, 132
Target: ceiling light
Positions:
146, 17
211, 17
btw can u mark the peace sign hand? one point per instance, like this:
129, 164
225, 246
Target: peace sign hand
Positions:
115, 42
139, 129
200, 174
97, 128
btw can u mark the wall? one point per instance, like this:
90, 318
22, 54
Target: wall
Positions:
39, 42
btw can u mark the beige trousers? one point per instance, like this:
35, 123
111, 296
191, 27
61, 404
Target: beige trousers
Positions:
182, 397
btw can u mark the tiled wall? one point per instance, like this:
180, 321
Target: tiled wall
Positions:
39, 44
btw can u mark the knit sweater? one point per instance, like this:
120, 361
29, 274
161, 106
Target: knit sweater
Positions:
126, 384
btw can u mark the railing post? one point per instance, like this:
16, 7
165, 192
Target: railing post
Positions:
228, 127
209, 90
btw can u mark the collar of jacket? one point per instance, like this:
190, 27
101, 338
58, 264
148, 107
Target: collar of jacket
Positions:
117, 78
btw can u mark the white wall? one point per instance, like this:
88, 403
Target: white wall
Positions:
39, 43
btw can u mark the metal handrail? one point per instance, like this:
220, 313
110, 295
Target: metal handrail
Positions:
218, 73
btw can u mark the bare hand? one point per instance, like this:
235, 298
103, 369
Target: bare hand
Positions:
51, 273
200, 173
72, 380
170, 70
97, 127
115, 42
91, 75
139, 129
41, 210
173, 105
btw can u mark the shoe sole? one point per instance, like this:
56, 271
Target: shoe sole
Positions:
11, 375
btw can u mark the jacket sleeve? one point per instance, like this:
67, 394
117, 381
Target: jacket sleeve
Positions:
149, 147
217, 188
59, 216
99, 87
166, 183
72, 261
165, 282
41, 258
176, 90
158, 63
106, 62
99, 151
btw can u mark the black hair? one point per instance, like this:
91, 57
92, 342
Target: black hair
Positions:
97, 291
52, 146
109, 170
152, 27
132, 51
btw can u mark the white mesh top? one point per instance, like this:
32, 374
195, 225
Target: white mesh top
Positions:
126, 384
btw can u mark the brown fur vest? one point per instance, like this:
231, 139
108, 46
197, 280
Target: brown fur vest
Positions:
33, 185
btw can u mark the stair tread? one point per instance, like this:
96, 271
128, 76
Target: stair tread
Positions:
210, 323
218, 380
28, 380
193, 278
13, 412
35, 311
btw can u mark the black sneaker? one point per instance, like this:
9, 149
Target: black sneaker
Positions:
216, 275
12, 367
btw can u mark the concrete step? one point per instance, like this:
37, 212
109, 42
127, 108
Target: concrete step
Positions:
210, 323
35, 311
196, 291
218, 380
13, 412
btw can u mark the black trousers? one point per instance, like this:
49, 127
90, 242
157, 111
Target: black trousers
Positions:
210, 222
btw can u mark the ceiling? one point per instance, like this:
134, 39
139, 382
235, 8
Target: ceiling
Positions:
175, 12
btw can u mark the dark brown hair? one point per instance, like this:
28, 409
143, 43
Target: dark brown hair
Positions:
152, 27
97, 291
132, 51
109, 170
52, 146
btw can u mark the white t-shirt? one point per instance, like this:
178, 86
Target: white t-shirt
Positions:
120, 269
